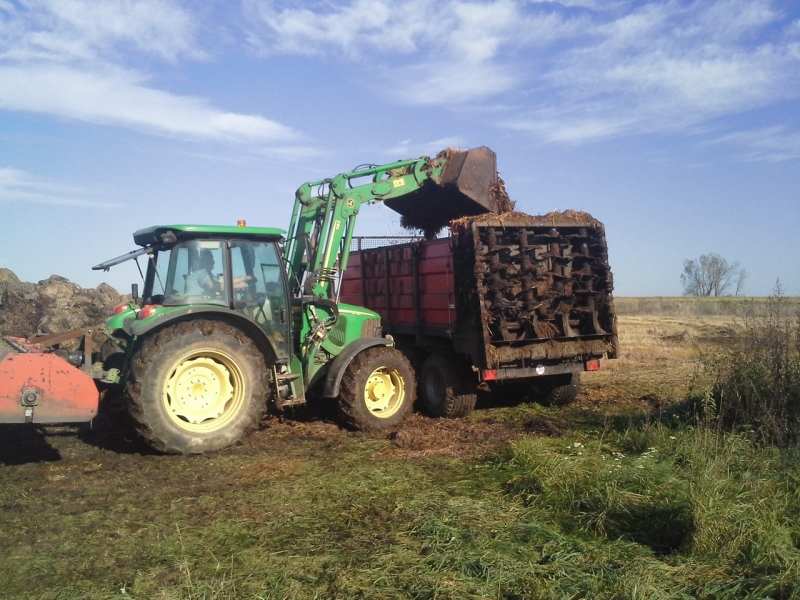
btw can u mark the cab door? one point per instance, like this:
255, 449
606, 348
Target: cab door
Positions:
260, 291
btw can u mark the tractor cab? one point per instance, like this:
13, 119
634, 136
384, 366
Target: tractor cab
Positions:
192, 268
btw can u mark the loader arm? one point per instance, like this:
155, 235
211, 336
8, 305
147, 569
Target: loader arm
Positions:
451, 185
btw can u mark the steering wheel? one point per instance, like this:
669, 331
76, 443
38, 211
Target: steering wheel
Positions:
247, 293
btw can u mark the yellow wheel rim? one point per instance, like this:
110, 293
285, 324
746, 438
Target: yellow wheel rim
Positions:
204, 391
384, 392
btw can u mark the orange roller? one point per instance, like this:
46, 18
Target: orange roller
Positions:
43, 388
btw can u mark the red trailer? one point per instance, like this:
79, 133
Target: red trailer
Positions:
522, 300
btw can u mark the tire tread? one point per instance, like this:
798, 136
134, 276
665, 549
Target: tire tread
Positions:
148, 353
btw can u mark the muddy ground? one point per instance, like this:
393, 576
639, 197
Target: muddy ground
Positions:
110, 445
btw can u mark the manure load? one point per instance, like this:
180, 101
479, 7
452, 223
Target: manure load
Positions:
540, 287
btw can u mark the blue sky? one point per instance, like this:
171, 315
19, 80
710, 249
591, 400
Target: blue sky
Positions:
676, 123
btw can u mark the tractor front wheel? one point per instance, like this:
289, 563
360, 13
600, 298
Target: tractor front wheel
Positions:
197, 386
377, 390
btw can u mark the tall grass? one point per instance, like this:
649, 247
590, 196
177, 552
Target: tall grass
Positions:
757, 375
720, 511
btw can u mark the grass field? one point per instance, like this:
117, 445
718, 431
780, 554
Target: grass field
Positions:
723, 306
628, 493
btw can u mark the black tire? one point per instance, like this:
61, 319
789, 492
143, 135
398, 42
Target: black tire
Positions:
445, 387
378, 389
228, 394
556, 390
112, 356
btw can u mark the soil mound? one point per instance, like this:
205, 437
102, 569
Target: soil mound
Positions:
53, 305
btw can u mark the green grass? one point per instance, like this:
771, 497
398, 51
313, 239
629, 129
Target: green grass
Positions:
645, 511
620, 503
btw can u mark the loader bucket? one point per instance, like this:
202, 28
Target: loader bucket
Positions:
44, 388
463, 188
471, 173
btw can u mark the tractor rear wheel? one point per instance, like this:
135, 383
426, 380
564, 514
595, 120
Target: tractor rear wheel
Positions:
197, 386
445, 387
377, 390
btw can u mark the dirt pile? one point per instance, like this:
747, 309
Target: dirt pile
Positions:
53, 305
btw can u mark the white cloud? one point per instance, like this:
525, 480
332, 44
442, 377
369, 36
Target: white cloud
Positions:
566, 71
350, 28
19, 186
117, 97
569, 71
363, 28
663, 68
82, 29
63, 58
427, 52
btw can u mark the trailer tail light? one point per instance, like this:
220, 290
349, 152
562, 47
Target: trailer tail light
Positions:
592, 365
489, 374
147, 311
119, 308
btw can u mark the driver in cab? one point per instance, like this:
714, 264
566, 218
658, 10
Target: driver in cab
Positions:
203, 282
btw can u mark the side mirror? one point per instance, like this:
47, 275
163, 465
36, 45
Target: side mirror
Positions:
135, 293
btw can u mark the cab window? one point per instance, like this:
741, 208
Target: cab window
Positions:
191, 273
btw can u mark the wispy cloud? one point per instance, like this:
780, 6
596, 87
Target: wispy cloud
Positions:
68, 58
769, 144
449, 52
20, 187
62, 30
566, 72
117, 97
662, 68
412, 148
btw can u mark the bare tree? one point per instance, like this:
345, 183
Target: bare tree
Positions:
711, 275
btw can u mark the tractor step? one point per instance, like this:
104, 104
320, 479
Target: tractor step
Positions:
282, 403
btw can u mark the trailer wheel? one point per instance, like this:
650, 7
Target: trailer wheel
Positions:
556, 390
197, 386
444, 387
377, 390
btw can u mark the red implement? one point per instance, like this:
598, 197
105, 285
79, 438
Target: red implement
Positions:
44, 388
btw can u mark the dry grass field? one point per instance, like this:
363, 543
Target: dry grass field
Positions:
658, 359
628, 493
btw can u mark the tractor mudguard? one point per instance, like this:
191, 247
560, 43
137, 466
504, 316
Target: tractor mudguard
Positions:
336, 371
44, 388
139, 328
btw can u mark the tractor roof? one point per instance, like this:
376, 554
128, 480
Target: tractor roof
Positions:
162, 234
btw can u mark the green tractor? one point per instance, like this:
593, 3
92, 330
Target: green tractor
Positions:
233, 320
